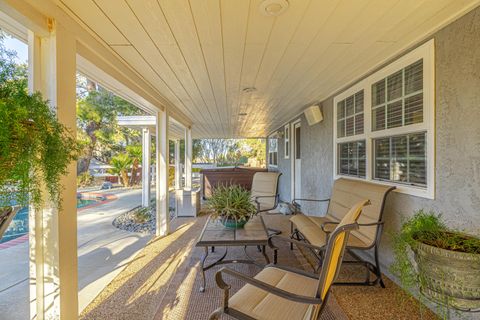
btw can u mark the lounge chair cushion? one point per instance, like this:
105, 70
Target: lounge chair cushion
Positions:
310, 227
262, 305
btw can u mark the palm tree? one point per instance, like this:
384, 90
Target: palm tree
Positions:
135, 153
121, 163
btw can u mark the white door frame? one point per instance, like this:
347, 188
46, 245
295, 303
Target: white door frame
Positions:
293, 143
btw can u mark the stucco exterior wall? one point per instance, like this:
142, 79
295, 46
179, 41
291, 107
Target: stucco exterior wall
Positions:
457, 67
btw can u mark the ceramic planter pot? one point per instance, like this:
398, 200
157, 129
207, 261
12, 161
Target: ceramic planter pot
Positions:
449, 277
233, 224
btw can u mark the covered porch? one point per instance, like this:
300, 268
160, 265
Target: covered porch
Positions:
379, 91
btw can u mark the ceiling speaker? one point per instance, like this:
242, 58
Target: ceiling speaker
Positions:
313, 114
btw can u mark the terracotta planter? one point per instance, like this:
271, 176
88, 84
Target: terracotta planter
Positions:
449, 277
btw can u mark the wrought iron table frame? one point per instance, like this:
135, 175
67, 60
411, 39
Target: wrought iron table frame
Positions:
214, 234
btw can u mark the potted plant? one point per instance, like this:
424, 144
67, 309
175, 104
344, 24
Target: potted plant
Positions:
35, 149
232, 205
445, 265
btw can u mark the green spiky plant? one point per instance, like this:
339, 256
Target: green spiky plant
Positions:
35, 148
231, 203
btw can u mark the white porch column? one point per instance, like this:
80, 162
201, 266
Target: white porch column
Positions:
146, 155
162, 153
53, 233
188, 158
178, 166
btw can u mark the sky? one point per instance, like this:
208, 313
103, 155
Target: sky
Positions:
20, 47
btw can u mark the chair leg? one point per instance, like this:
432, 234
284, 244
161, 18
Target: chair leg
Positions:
215, 315
378, 270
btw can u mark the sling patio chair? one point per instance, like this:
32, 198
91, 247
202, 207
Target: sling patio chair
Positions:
278, 293
265, 193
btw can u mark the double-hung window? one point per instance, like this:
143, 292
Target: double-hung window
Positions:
389, 137
272, 151
286, 141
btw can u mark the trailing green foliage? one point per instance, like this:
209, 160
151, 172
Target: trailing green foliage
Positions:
427, 228
35, 149
231, 202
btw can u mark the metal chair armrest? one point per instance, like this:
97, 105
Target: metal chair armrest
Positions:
328, 223
297, 205
265, 287
371, 224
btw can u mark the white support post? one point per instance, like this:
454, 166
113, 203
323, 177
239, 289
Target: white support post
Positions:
146, 155
53, 234
188, 159
178, 166
162, 153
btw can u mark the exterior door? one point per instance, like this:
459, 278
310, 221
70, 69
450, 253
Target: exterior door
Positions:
297, 159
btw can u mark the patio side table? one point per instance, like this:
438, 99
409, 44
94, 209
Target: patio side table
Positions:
215, 234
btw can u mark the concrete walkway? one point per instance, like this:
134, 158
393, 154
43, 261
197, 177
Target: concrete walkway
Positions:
103, 251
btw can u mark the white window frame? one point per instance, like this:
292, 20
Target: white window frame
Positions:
425, 52
286, 141
272, 137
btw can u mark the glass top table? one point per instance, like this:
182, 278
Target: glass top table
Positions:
215, 234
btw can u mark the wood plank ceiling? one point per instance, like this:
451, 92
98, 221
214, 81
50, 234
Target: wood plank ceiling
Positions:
202, 54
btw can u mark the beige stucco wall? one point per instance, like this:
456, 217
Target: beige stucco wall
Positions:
457, 51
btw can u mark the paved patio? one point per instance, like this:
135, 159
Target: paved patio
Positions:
163, 282
103, 252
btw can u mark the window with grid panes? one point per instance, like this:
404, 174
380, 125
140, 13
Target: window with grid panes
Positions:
350, 115
397, 100
273, 152
396, 141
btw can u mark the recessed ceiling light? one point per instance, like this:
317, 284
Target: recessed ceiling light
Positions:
273, 7
249, 89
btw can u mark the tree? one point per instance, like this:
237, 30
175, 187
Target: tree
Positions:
135, 154
121, 163
97, 111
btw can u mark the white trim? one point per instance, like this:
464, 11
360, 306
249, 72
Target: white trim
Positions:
425, 52
292, 161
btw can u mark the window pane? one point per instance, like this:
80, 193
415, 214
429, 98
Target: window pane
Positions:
378, 118
399, 159
359, 102
378, 93
414, 109
349, 126
359, 123
352, 158
382, 159
394, 86
341, 129
361, 159
349, 107
341, 109
394, 114
297, 143
414, 77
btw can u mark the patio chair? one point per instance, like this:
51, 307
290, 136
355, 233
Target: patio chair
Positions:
6, 216
278, 293
316, 230
265, 193
265, 190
